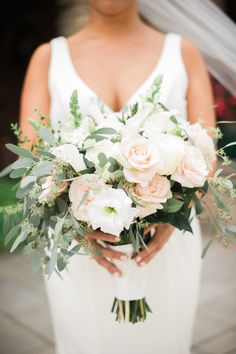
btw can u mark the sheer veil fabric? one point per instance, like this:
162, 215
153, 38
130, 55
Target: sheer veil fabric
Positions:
201, 21
206, 25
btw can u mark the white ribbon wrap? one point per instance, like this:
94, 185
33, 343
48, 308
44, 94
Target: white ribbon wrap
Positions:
132, 284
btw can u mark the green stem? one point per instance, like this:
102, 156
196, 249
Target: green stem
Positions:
127, 311
121, 314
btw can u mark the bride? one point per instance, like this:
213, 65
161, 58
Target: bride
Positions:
111, 61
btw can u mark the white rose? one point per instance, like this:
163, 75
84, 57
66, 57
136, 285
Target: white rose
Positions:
70, 154
153, 195
111, 211
139, 158
203, 141
160, 123
192, 169
81, 194
170, 150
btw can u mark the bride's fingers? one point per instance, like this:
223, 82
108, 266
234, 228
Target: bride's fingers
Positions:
161, 236
103, 236
108, 265
150, 228
152, 245
107, 252
148, 258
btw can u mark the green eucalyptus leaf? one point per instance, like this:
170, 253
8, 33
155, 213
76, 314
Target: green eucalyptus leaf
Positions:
46, 153
96, 137
58, 226
11, 234
132, 238
6, 171
22, 192
61, 264
137, 244
22, 163
18, 173
105, 131
43, 168
27, 180
231, 228
204, 252
76, 249
62, 206
113, 164
22, 236
230, 144
47, 136
16, 186
173, 205
88, 163
173, 119
19, 150
198, 205
102, 159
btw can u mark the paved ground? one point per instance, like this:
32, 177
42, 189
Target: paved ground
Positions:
25, 326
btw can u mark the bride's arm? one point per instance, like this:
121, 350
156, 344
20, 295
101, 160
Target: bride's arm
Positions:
35, 90
35, 95
199, 105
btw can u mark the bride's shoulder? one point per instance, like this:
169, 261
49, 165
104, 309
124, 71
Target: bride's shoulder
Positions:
192, 56
40, 58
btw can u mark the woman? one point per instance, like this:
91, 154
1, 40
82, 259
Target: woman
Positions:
112, 60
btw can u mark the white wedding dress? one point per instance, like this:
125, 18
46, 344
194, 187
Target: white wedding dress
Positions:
80, 304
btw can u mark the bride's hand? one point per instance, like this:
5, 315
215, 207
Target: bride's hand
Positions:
105, 252
161, 236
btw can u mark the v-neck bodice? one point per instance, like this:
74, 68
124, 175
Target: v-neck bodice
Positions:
63, 79
136, 91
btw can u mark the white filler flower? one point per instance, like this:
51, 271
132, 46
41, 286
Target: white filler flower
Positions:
111, 211
71, 155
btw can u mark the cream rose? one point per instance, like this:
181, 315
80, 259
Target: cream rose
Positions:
139, 158
81, 194
153, 195
203, 141
170, 150
192, 169
160, 123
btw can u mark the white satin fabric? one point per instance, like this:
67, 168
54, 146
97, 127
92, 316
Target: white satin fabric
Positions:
80, 304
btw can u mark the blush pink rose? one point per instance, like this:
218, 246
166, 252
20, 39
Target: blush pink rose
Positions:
139, 158
192, 169
156, 192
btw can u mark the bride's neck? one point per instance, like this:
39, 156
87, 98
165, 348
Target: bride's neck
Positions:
114, 25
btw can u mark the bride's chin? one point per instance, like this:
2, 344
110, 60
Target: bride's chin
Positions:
111, 7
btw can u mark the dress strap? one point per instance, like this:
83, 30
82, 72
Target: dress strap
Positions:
59, 66
173, 52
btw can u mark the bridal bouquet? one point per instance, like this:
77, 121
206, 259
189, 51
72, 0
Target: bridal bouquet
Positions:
117, 173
